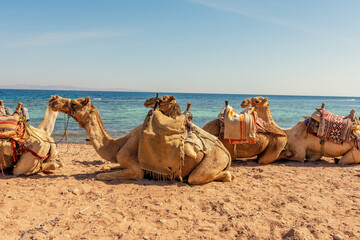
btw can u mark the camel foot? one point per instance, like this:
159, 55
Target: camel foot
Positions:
286, 154
225, 176
109, 168
52, 165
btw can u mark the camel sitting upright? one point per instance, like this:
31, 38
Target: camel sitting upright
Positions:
39, 148
267, 146
303, 145
125, 150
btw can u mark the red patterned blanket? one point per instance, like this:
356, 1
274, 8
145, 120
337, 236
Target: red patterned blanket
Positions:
334, 128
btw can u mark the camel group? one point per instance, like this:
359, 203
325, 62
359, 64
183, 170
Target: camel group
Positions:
275, 143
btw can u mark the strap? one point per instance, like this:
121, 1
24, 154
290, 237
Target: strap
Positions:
21, 149
322, 143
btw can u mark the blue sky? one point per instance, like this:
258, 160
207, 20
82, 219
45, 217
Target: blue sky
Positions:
208, 46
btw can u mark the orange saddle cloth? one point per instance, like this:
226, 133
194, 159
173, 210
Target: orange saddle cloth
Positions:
9, 125
239, 127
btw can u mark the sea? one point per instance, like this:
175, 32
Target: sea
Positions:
123, 111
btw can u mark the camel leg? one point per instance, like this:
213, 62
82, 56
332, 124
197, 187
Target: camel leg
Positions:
27, 164
273, 150
212, 168
111, 168
351, 157
130, 168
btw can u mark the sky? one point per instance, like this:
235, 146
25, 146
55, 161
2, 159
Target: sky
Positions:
283, 47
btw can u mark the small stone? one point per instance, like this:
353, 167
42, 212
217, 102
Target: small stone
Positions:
337, 236
289, 234
162, 220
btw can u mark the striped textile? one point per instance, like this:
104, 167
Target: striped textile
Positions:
240, 127
9, 123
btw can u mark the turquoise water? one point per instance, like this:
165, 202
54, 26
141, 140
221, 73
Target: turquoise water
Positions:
123, 111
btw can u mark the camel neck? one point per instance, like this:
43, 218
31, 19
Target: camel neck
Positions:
265, 114
103, 144
47, 125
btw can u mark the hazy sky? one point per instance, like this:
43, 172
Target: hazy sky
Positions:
219, 46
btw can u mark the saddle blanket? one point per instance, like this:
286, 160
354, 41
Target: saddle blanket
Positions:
334, 128
239, 127
9, 123
161, 145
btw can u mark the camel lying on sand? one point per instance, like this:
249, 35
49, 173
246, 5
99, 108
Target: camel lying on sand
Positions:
267, 146
40, 151
125, 150
303, 146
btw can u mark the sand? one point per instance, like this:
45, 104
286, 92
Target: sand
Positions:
291, 200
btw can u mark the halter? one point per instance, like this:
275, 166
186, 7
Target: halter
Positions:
72, 111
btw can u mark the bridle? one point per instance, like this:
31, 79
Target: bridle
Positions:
72, 109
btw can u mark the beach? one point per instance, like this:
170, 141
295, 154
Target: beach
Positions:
290, 200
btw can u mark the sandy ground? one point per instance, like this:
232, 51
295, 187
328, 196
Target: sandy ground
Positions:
290, 200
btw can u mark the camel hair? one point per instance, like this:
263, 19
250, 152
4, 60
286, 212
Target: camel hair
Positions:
124, 150
302, 146
41, 143
267, 146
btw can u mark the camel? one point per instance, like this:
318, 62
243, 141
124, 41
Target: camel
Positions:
267, 146
124, 151
303, 146
37, 140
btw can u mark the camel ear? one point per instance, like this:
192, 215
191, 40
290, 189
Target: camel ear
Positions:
87, 100
266, 99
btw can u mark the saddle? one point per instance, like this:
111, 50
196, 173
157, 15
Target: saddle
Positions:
165, 141
331, 127
239, 127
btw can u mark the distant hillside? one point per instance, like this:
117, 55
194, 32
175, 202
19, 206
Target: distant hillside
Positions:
61, 87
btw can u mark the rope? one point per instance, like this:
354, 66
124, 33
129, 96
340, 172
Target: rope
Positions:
64, 135
92, 204
2, 156
40, 227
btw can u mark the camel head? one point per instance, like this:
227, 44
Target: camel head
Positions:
259, 102
167, 105
246, 103
79, 109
